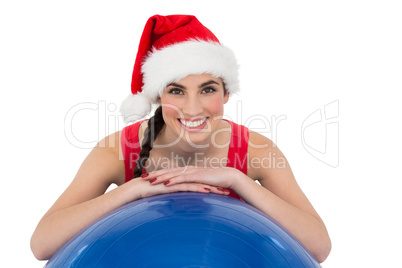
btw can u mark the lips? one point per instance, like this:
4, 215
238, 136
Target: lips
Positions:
193, 123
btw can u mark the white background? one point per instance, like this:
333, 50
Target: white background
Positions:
295, 56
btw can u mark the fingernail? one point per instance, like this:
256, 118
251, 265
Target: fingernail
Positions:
153, 180
207, 189
220, 189
166, 182
144, 175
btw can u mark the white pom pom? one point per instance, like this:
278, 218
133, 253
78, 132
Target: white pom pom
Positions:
135, 107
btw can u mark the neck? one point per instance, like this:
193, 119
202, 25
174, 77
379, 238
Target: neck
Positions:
180, 146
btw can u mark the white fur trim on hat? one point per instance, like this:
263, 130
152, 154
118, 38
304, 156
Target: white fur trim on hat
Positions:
175, 62
135, 107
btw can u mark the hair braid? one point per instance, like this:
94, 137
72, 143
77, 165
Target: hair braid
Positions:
155, 124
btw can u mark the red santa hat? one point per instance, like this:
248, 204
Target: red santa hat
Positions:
171, 48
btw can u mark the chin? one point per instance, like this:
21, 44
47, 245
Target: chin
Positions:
196, 132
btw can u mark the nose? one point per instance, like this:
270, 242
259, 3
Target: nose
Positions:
192, 106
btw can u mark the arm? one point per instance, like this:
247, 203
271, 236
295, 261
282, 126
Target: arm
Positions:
278, 196
307, 227
281, 198
85, 201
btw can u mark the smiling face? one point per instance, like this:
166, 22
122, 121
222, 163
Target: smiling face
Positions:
193, 107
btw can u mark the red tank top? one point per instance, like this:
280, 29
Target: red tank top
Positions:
237, 154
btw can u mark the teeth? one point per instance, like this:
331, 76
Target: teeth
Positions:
193, 123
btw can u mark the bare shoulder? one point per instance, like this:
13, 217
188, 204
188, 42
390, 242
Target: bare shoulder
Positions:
263, 156
110, 144
105, 163
258, 141
103, 166
270, 167
109, 149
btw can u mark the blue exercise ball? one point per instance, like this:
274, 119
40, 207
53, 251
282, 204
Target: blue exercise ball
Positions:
184, 230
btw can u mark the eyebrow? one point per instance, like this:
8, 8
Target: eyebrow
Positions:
176, 85
208, 83
200, 86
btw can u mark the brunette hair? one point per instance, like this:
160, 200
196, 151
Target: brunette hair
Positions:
155, 124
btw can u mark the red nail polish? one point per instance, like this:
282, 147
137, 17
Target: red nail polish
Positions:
153, 180
207, 189
166, 182
220, 189
144, 175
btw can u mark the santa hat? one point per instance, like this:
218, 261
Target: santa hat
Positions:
171, 48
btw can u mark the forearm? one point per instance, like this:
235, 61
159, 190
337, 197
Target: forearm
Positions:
309, 230
55, 229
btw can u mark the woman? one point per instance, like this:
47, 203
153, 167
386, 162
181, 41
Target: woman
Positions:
185, 146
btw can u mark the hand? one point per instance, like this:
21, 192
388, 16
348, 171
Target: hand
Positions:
215, 179
151, 184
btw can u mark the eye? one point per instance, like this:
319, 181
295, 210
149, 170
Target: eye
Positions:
208, 90
176, 91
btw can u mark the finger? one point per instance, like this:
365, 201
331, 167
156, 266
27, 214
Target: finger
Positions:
200, 187
185, 187
166, 178
179, 176
218, 190
161, 172
191, 176
168, 170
